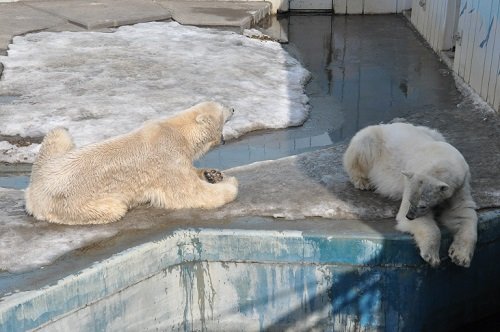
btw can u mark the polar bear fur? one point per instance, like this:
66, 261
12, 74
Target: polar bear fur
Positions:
98, 183
431, 177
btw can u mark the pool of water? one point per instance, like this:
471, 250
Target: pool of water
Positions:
365, 70
14, 182
14, 176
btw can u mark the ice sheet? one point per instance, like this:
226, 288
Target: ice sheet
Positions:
100, 85
17, 154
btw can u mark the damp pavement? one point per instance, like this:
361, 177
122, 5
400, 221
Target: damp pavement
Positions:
365, 70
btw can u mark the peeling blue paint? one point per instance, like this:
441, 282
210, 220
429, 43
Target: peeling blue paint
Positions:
217, 280
485, 41
463, 9
264, 295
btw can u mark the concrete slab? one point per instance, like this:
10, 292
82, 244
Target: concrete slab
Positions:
104, 13
17, 19
218, 13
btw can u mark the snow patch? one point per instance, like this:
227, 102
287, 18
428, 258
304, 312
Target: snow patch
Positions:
100, 85
472, 96
17, 154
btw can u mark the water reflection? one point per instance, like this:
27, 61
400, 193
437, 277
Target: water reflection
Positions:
365, 70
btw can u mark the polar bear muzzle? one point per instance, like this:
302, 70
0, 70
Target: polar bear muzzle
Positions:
416, 211
227, 117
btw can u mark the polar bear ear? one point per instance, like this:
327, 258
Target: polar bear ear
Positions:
443, 187
409, 175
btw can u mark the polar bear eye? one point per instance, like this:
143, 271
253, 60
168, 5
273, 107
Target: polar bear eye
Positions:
422, 207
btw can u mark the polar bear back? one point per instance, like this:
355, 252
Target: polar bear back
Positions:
417, 149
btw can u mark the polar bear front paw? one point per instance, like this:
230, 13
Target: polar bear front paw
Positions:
431, 257
361, 183
213, 176
460, 255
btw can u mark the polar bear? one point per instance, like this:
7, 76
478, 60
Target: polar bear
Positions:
98, 183
416, 165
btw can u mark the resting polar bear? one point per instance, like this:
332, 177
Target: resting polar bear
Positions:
415, 164
99, 182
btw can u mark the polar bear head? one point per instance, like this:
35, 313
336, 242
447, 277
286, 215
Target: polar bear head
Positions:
426, 192
202, 125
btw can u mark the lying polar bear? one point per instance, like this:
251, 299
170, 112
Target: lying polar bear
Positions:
98, 183
431, 177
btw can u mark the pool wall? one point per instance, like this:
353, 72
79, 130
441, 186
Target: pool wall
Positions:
244, 280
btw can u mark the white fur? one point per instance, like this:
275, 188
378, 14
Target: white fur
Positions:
99, 182
416, 165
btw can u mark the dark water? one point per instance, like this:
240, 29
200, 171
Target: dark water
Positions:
365, 70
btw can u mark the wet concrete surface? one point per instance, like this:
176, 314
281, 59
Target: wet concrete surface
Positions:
365, 70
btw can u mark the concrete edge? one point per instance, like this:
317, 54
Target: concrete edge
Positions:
106, 23
27, 310
247, 22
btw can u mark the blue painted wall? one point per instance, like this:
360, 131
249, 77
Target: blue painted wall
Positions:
241, 280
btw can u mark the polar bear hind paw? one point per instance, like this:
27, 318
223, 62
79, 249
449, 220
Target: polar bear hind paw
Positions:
213, 176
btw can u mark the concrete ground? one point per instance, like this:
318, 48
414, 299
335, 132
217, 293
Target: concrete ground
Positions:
18, 18
365, 70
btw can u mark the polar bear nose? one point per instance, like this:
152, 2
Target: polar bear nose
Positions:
228, 114
412, 214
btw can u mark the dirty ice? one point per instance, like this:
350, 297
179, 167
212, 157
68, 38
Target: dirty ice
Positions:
102, 84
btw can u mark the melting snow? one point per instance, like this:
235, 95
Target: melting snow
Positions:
103, 84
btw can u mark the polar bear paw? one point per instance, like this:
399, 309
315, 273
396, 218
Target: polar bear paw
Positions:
431, 257
361, 183
213, 176
460, 255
